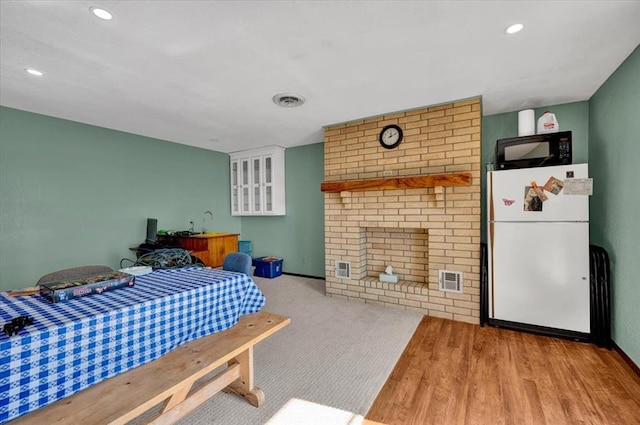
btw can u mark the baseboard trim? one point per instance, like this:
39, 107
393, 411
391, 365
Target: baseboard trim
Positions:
539, 330
304, 275
628, 360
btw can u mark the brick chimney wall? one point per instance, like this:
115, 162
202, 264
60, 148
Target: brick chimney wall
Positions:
416, 231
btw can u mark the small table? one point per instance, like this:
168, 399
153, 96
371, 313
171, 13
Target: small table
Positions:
211, 248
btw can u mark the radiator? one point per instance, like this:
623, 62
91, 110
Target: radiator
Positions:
600, 285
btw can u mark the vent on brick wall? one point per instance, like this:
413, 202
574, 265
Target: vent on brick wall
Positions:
343, 269
450, 281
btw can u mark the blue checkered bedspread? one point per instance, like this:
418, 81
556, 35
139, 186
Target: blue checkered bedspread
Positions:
77, 343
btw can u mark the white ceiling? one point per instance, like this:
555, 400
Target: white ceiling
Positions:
203, 73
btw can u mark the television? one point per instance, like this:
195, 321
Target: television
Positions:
152, 231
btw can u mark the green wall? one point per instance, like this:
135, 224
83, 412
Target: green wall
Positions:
73, 194
606, 134
614, 147
297, 237
570, 116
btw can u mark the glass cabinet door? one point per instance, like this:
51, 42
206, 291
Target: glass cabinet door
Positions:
268, 184
245, 197
235, 193
256, 206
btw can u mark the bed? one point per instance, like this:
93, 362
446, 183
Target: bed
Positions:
78, 343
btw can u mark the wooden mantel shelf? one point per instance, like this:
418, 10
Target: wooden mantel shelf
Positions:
413, 182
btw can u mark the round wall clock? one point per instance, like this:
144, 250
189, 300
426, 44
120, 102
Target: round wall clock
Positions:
390, 136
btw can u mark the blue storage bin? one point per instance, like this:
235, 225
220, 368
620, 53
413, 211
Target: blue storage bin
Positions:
269, 267
246, 247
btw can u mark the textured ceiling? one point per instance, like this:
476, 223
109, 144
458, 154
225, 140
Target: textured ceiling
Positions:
203, 73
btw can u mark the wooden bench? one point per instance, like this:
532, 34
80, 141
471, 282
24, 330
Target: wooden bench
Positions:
169, 380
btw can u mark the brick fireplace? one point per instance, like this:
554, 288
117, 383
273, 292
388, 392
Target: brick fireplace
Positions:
418, 228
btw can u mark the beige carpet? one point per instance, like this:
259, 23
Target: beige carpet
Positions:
335, 353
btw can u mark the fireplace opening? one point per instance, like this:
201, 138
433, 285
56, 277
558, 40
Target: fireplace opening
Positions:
406, 250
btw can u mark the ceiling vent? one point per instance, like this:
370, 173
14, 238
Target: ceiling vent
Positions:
288, 100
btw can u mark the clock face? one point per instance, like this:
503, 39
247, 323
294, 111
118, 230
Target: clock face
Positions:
390, 136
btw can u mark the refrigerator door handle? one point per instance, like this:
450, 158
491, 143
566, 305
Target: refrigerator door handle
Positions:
491, 267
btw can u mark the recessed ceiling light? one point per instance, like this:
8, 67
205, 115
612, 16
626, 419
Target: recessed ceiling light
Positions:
34, 72
101, 13
514, 28
288, 100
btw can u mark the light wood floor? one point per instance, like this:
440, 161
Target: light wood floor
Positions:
457, 373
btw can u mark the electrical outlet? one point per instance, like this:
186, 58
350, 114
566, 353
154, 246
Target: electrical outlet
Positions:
387, 173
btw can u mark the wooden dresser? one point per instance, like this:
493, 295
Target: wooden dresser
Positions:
211, 248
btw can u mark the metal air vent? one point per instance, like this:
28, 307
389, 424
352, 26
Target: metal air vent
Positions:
450, 281
288, 100
343, 269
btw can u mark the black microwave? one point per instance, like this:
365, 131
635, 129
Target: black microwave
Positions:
539, 150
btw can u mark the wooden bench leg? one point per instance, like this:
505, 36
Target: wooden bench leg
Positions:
171, 415
178, 397
244, 386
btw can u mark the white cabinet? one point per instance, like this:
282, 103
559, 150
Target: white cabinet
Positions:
257, 182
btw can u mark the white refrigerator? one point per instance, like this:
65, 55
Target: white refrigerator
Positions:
538, 247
